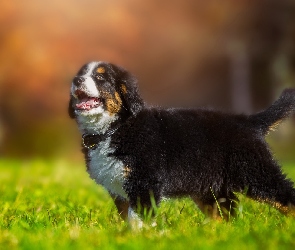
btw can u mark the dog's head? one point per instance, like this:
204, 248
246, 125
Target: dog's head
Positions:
103, 89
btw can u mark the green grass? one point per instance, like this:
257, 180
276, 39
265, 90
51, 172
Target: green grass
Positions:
54, 205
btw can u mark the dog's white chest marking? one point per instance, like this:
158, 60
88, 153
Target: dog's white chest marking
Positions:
107, 170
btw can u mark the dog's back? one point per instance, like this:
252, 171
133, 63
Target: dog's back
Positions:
204, 153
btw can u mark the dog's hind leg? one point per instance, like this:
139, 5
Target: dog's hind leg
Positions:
273, 188
221, 209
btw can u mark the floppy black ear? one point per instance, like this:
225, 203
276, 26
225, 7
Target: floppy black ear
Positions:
129, 91
71, 110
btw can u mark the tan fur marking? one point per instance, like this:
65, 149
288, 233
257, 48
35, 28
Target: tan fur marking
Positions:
288, 210
127, 171
123, 89
113, 103
118, 98
274, 126
101, 70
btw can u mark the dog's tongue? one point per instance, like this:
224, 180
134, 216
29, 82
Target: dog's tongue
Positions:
88, 103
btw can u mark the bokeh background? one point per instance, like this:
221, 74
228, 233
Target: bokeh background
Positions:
234, 55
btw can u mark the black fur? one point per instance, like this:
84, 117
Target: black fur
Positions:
71, 110
132, 101
280, 110
205, 154
198, 153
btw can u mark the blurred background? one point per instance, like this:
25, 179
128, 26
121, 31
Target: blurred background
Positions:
232, 55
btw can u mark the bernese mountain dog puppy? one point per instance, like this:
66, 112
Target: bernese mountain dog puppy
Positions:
142, 154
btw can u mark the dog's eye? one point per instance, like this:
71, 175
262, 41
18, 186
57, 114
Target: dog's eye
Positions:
99, 77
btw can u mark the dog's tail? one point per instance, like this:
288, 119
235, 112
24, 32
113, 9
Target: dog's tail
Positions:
270, 118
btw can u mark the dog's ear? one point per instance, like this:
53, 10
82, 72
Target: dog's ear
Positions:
129, 90
71, 110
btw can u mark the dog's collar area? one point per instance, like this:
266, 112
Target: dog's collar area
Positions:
90, 141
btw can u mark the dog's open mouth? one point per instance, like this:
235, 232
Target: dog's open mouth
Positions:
86, 102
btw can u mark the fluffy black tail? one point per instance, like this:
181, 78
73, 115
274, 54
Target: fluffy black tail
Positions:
270, 118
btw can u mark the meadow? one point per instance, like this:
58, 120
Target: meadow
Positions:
55, 205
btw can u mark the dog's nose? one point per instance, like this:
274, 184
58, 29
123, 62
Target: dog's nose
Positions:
78, 80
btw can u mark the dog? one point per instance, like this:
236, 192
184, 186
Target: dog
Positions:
143, 154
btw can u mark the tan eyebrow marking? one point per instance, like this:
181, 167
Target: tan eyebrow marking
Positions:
101, 70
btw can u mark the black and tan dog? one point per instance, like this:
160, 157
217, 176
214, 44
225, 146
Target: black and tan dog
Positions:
135, 151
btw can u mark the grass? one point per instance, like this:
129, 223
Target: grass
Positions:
54, 205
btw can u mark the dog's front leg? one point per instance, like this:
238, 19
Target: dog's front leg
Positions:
134, 219
122, 206
128, 213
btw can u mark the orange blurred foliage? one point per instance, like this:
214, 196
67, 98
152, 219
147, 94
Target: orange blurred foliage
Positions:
181, 51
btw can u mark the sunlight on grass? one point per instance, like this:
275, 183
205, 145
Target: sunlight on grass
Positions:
46, 205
